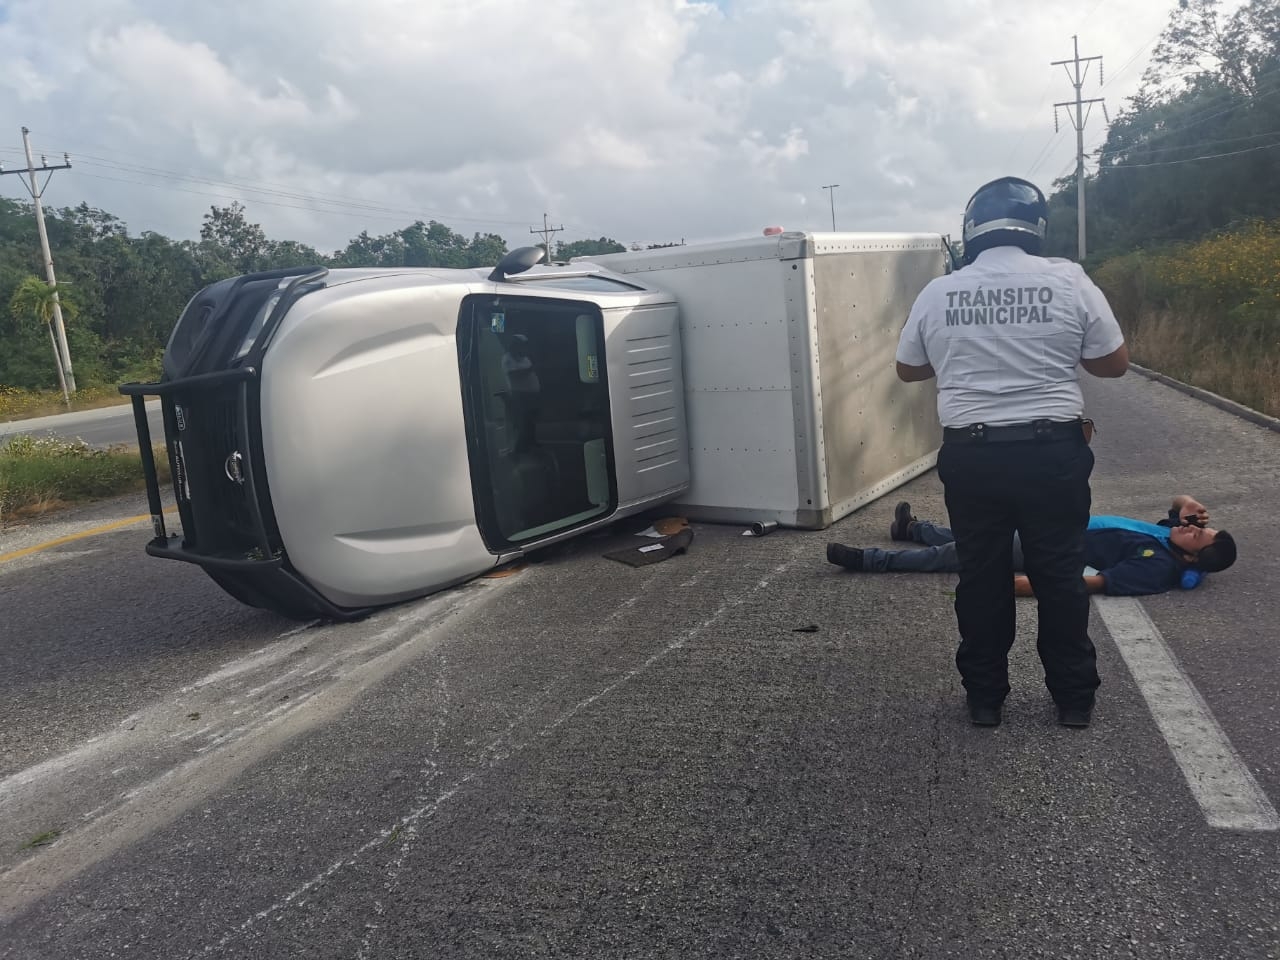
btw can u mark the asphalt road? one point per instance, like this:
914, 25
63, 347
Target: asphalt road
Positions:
586, 760
101, 428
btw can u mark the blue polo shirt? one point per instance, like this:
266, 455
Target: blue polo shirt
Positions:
1132, 556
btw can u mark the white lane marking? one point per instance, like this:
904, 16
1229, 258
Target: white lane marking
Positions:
1219, 779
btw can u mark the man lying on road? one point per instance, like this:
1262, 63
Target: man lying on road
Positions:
1132, 557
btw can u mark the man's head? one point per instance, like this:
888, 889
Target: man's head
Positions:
1005, 212
1204, 548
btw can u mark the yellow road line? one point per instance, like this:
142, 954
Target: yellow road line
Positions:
71, 538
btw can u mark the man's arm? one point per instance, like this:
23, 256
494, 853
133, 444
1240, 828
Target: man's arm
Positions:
1103, 353
912, 356
1094, 583
1114, 364
909, 374
1187, 506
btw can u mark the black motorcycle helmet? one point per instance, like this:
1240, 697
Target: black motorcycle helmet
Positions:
1005, 212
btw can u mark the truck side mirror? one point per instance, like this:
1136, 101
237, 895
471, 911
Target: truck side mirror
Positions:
517, 261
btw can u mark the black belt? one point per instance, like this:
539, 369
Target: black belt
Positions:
1008, 433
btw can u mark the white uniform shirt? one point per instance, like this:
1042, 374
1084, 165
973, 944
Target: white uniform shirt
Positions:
1005, 336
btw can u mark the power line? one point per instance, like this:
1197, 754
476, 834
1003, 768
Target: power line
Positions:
1196, 146
1090, 14
270, 191
1209, 113
1072, 162
1212, 156
310, 203
355, 213
1044, 153
1044, 95
278, 191
1128, 63
268, 187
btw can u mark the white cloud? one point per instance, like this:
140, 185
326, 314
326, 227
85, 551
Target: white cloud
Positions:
645, 120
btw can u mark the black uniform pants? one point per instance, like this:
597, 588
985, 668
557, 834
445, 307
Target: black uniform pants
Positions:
1041, 490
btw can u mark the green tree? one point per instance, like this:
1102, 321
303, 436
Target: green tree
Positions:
366, 251
33, 302
290, 253
1200, 40
485, 250
230, 242
588, 248
420, 244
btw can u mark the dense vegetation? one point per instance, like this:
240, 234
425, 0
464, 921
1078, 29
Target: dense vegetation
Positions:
1184, 208
121, 294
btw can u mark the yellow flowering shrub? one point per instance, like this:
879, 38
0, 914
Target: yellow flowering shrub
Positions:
1207, 312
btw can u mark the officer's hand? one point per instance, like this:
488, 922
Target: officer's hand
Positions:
1022, 586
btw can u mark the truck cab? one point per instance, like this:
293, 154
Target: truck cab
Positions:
344, 439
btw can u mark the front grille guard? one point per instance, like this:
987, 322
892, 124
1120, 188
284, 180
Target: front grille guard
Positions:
257, 569
194, 512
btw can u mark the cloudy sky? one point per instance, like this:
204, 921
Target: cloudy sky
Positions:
643, 120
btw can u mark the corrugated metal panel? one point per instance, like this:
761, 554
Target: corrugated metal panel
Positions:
652, 382
878, 432
646, 391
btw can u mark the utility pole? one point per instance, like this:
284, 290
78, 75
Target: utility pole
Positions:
1078, 120
546, 231
65, 376
831, 188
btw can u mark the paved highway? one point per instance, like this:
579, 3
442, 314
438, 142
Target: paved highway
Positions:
102, 428
586, 760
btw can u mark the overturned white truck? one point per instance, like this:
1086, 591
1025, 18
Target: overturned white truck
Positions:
344, 439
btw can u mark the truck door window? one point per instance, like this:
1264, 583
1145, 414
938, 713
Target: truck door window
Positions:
537, 410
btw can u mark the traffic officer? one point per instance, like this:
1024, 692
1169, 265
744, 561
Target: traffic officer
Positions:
1004, 336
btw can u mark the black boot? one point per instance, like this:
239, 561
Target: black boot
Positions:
900, 529
848, 557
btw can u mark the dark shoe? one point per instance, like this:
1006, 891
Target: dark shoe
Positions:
1075, 716
848, 557
983, 715
900, 529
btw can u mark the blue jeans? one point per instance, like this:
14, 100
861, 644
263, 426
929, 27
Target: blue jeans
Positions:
938, 555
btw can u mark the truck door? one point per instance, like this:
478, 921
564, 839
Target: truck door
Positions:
536, 402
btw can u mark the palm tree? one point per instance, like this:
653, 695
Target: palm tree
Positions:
34, 300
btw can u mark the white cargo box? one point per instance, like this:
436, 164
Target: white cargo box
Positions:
795, 412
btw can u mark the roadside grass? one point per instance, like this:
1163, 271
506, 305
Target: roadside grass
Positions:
1177, 346
1206, 313
18, 404
42, 474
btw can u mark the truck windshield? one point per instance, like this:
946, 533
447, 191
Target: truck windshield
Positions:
537, 408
